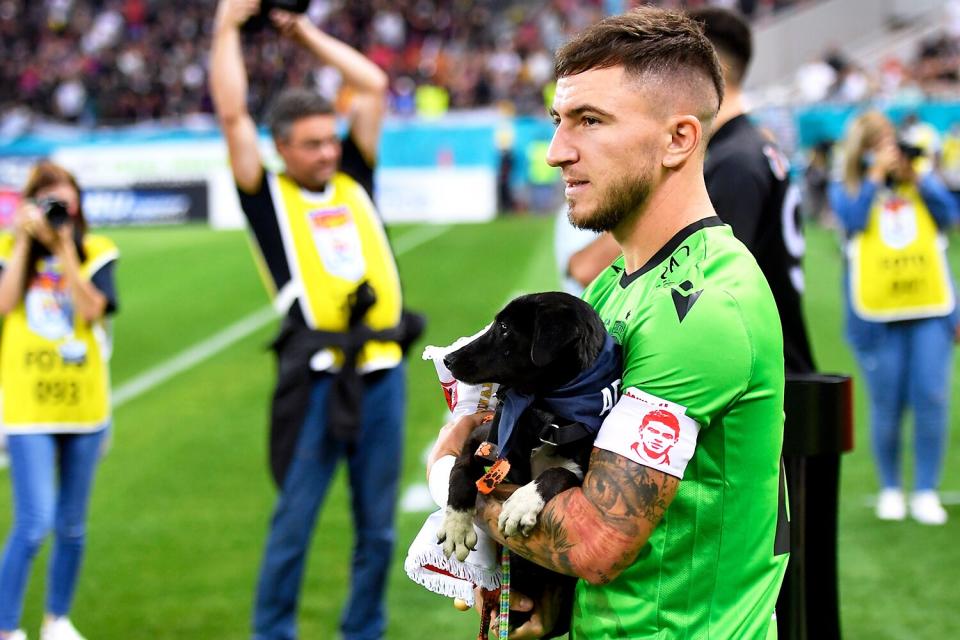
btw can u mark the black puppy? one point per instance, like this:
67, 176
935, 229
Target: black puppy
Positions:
559, 373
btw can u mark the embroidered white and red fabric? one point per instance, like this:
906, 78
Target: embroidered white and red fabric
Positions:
425, 563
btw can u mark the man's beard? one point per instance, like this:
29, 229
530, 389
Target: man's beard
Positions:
621, 200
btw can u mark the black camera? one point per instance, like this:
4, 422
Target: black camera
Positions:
909, 151
262, 18
294, 6
55, 211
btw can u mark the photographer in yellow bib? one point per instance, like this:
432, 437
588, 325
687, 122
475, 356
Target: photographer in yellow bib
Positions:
901, 309
56, 288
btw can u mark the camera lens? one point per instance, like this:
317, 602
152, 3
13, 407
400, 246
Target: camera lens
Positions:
55, 211
909, 151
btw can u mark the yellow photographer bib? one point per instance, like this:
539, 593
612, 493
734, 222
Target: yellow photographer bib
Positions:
53, 364
898, 270
333, 241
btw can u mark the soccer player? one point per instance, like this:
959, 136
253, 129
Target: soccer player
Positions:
692, 546
749, 186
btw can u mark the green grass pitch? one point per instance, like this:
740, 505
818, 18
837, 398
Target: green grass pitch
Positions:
181, 503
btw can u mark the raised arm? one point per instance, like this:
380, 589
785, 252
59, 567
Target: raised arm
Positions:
594, 532
367, 81
29, 223
228, 88
939, 200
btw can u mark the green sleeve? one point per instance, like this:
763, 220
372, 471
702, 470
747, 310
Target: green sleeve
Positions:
703, 362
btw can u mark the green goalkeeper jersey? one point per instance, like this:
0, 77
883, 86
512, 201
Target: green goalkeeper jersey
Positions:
702, 399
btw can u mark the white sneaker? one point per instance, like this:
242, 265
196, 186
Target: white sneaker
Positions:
59, 629
925, 508
891, 505
19, 634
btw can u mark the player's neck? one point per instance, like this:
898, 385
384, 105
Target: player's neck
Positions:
732, 106
680, 200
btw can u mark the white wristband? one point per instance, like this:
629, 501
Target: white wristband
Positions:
439, 480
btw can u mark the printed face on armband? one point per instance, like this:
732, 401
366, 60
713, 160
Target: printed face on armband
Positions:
650, 431
659, 431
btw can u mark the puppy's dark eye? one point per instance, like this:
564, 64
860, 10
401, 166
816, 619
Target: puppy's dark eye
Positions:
503, 327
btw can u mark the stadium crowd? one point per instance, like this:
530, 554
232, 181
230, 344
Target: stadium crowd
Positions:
146, 60
931, 70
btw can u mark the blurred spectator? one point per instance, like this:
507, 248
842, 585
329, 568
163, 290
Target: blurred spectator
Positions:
109, 62
950, 158
815, 178
814, 80
56, 291
933, 70
543, 180
938, 60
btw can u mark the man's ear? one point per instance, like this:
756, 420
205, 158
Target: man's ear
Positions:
550, 334
686, 132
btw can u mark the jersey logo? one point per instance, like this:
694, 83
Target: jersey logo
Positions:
683, 301
619, 331
659, 431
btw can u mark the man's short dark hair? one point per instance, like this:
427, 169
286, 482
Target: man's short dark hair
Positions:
292, 105
645, 41
730, 34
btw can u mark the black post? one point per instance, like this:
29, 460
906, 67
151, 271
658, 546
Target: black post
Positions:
818, 429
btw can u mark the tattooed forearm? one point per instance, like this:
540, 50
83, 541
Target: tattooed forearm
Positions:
595, 532
628, 492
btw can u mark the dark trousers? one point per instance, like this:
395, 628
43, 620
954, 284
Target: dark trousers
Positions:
374, 472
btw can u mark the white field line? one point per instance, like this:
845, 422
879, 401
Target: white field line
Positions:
421, 235
191, 356
197, 353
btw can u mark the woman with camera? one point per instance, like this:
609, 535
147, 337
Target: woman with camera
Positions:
901, 317
56, 288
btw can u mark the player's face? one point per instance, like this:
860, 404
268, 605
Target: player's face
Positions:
607, 144
312, 150
657, 437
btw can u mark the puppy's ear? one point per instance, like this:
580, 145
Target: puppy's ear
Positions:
551, 332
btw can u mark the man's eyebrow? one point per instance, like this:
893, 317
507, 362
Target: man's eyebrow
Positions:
581, 110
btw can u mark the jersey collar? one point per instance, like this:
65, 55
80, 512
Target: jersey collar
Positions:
667, 250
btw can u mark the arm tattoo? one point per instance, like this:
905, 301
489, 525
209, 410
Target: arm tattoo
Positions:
597, 531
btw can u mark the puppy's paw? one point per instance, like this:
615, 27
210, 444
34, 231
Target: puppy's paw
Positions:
457, 534
520, 511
